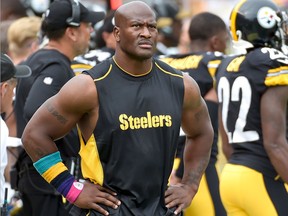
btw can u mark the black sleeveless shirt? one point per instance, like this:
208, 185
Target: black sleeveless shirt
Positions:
136, 133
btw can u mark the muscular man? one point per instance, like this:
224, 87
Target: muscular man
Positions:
128, 110
253, 96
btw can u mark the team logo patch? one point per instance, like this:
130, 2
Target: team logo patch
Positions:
266, 17
48, 80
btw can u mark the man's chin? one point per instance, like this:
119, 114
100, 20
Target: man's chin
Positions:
146, 55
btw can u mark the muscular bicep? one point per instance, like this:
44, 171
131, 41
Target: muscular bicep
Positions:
72, 103
197, 126
58, 115
195, 116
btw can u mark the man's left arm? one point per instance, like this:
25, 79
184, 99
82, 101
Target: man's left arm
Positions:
197, 126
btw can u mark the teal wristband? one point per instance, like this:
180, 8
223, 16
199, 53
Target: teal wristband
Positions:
43, 164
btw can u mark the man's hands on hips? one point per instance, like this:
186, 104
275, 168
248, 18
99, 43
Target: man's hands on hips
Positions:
179, 196
92, 195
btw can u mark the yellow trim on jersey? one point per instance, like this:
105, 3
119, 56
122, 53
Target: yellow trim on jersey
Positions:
233, 19
283, 69
176, 163
277, 76
103, 77
212, 67
130, 73
90, 161
54, 171
167, 72
78, 68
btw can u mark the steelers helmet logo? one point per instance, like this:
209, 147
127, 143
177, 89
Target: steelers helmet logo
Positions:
266, 17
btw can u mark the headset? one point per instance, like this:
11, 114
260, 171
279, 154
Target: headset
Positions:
74, 20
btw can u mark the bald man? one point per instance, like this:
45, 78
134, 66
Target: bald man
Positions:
128, 110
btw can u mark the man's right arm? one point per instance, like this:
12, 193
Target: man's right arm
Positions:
57, 116
273, 115
75, 103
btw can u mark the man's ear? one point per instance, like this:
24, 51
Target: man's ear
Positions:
116, 33
3, 88
71, 33
213, 42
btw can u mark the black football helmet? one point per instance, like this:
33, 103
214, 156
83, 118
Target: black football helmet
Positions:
255, 23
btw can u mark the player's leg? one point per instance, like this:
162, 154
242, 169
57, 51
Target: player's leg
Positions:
245, 191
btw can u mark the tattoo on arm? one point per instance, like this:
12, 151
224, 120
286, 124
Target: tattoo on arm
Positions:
57, 115
198, 116
195, 175
39, 153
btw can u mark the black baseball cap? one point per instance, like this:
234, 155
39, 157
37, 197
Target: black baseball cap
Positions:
9, 70
56, 17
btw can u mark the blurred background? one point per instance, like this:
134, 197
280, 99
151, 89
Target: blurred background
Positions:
172, 16
220, 7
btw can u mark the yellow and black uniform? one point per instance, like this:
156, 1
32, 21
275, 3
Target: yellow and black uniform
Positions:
202, 67
139, 117
249, 177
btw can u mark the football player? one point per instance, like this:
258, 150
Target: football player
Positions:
252, 91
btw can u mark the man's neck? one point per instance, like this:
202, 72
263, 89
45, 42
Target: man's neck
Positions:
62, 47
134, 66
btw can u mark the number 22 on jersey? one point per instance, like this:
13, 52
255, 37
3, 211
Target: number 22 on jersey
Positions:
240, 85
